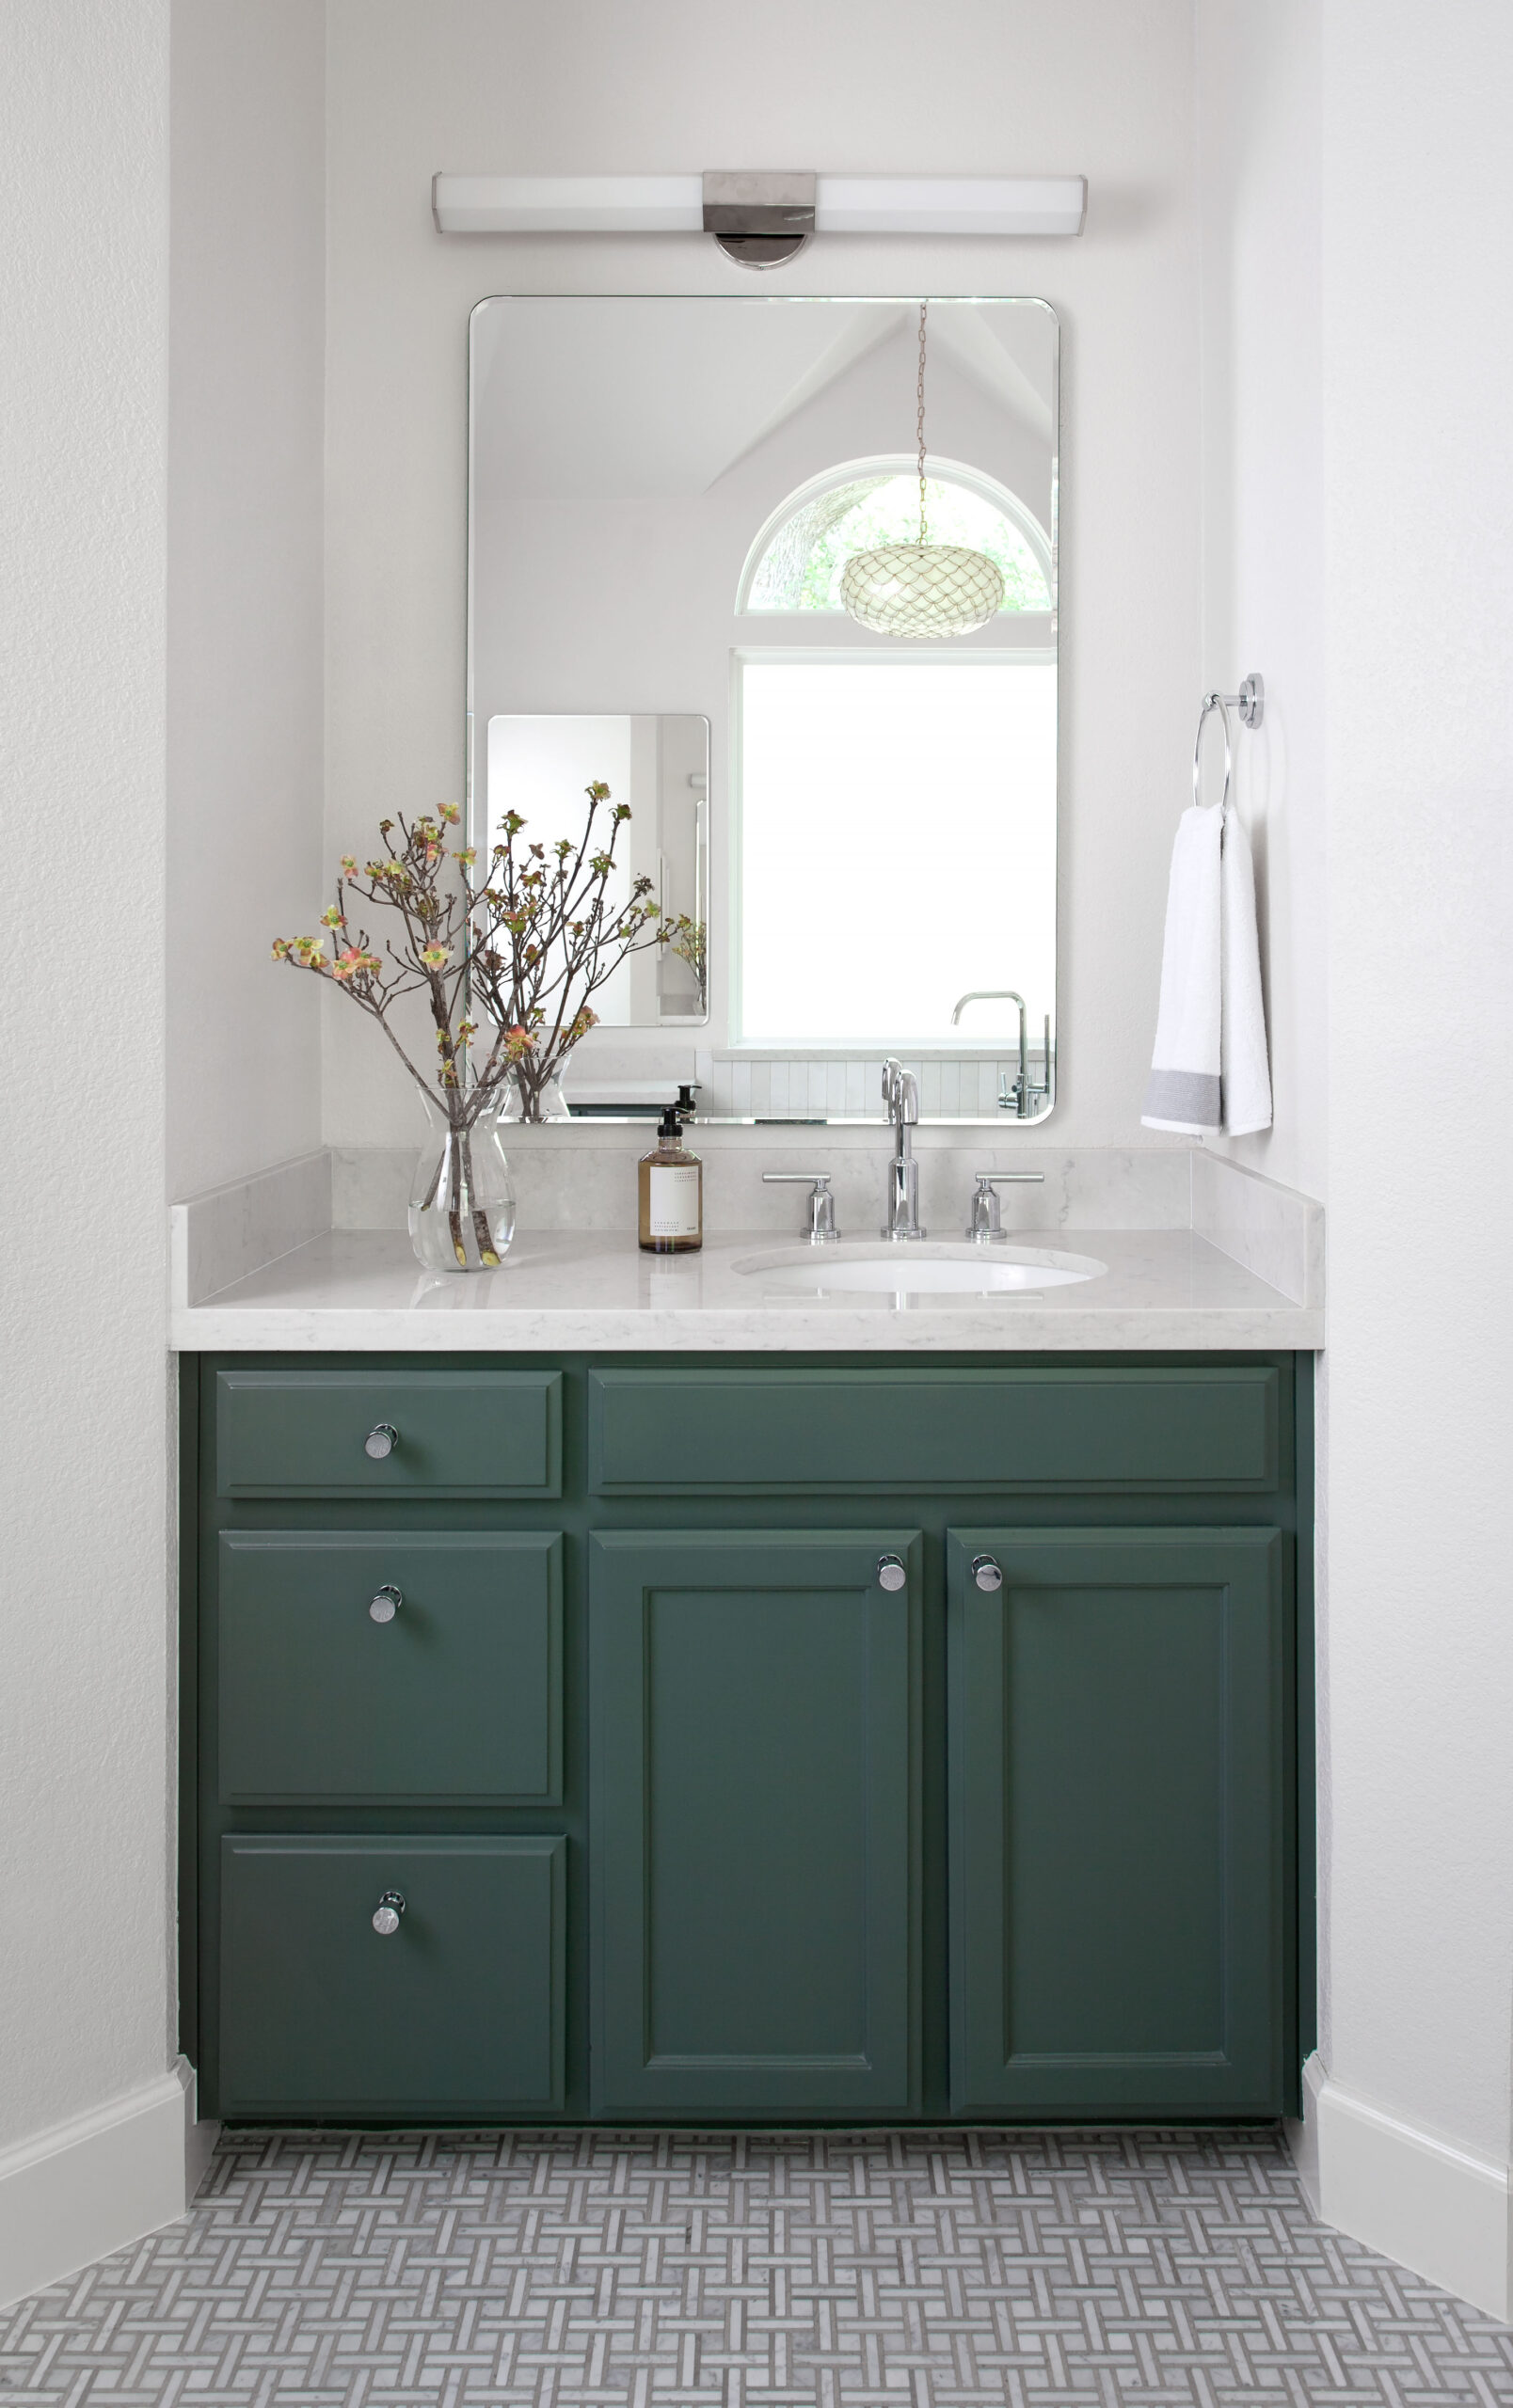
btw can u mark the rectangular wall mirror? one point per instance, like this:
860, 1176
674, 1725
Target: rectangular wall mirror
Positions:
859, 822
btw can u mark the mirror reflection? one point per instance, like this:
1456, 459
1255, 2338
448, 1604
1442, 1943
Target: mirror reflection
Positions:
669, 502
540, 764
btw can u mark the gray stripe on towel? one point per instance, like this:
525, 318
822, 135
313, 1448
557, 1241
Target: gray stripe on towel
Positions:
1184, 1094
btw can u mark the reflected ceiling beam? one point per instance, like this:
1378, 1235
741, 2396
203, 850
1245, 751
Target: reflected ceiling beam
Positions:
759, 219
861, 333
984, 352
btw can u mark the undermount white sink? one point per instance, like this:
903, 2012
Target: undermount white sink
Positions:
918, 1270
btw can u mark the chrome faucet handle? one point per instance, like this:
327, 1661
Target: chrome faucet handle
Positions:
901, 1093
822, 1229
985, 1227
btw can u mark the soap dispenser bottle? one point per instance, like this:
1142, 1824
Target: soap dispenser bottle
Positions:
672, 1191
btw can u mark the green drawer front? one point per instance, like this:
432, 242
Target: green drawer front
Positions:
459, 1433
459, 2012
458, 1695
752, 1431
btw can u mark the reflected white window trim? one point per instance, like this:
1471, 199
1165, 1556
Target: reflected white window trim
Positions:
853, 479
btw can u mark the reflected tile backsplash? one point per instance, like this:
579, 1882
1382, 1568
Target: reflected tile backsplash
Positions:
786, 1087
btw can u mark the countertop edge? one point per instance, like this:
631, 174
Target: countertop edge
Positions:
204, 1329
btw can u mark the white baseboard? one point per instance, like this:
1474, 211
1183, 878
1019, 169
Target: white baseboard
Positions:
1444, 2211
100, 2182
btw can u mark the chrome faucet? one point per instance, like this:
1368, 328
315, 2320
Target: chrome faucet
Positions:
1022, 1098
901, 1093
822, 1229
985, 1227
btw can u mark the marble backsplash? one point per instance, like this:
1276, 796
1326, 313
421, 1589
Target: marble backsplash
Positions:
588, 1180
585, 1178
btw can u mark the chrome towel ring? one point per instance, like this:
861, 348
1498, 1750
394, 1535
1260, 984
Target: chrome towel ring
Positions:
1251, 702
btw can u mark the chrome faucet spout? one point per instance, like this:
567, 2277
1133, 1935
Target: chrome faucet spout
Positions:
900, 1094
1025, 1093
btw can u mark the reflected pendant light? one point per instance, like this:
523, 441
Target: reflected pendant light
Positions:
921, 589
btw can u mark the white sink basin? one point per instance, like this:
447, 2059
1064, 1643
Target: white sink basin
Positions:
892, 1272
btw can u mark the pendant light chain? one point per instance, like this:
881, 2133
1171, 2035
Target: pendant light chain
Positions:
920, 587
919, 421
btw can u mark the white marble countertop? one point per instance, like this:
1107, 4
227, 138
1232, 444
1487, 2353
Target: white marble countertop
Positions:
361, 1290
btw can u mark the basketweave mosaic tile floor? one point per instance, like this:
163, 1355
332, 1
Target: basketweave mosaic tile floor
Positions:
563, 2270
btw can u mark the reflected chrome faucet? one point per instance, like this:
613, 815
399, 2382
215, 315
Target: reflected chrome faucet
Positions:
900, 1094
1025, 1094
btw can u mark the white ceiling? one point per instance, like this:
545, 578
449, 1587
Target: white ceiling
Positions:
635, 399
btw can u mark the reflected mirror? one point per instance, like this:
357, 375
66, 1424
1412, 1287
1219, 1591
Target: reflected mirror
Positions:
540, 764
860, 826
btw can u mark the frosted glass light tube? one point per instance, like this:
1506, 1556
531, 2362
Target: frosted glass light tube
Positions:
951, 204
675, 204
568, 204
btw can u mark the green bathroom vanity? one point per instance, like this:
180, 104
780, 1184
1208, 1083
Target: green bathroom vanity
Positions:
744, 1737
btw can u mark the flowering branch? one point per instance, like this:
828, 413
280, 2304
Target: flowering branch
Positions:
527, 946
547, 937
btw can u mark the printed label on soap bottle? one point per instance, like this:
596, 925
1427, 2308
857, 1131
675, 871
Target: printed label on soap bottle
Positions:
673, 1201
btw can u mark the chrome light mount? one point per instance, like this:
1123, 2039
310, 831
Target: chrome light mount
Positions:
759, 219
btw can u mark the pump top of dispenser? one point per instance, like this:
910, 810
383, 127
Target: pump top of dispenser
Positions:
669, 1128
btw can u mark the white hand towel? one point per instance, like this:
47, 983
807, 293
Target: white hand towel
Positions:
1208, 1069
1245, 1073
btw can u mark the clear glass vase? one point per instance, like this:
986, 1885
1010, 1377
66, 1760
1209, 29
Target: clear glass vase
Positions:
551, 1103
462, 1204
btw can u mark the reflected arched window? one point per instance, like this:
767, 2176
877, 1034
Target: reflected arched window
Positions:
797, 560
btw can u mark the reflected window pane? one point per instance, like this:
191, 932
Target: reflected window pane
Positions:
801, 565
897, 848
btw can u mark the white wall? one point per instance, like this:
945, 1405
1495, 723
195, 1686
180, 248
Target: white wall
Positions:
1357, 193
84, 1437
1092, 86
162, 648
1260, 138
1417, 371
246, 597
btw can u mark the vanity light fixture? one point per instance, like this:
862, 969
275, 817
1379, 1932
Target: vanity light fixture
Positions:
921, 589
758, 219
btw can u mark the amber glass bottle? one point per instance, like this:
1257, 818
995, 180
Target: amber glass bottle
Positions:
672, 1191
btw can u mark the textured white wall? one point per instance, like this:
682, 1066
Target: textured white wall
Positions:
1260, 136
1418, 366
84, 1439
245, 552
1091, 86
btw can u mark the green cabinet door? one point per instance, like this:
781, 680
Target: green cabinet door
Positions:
1120, 1821
754, 1812
457, 2008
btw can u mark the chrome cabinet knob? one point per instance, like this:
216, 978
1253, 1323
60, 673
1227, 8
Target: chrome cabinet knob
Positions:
380, 1441
384, 1603
387, 1914
891, 1574
986, 1573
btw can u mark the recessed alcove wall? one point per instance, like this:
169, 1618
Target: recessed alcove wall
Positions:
414, 86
